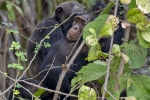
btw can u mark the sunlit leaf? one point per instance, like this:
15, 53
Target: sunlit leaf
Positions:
135, 16
39, 92
16, 92
143, 25
86, 93
113, 21
106, 31
92, 31
125, 57
125, 1
91, 40
143, 5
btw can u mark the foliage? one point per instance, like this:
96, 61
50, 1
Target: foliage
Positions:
133, 52
86, 93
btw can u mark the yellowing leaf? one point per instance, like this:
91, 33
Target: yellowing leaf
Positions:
106, 31
125, 57
92, 31
86, 93
143, 5
91, 40
130, 98
16, 92
125, 1
113, 21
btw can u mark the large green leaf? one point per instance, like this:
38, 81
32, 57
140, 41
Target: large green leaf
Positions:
121, 85
90, 72
137, 55
139, 87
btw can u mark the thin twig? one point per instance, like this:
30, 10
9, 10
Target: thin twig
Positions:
109, 60
64, 71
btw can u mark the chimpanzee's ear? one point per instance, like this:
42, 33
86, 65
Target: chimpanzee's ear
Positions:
59, 12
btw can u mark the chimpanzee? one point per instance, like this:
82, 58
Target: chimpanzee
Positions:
60, 50
63, 11
24, 93
57, 56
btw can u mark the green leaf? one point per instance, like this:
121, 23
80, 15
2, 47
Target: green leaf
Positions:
143, 25
9, 6
21, 55
46, 45
39, 92
116, 50
18, 9
136, 54
146, 35
94, 53
139, 87
106, 31
142, 42
92, 31
132, 4
91, 40
18, 85
14, 65
135, 16
114, 66
90, 72
15, 45
7, 24
16, 92
122, 82
11, 15
47, 37
125, 57
86, 93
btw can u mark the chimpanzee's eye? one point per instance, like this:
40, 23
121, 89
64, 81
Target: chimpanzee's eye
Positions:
77, 19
